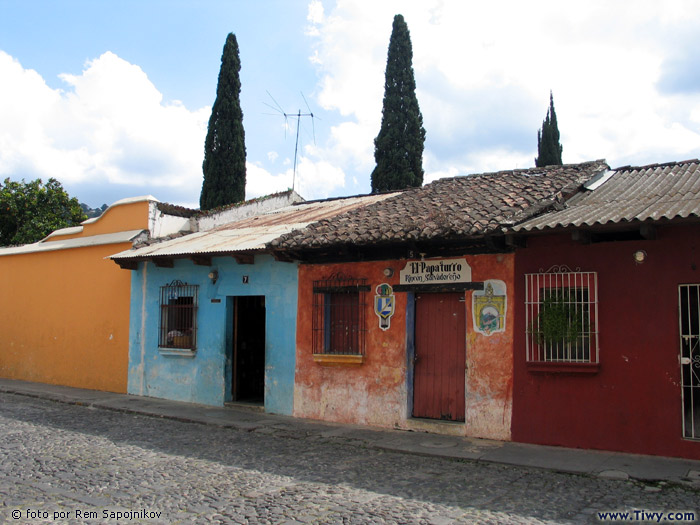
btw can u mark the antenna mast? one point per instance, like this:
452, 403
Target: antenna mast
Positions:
296, 116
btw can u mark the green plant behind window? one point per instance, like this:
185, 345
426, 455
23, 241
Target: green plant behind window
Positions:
563, 317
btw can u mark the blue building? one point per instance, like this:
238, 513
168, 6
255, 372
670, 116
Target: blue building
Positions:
213, 314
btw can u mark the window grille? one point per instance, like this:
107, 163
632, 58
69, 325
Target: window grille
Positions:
689, 319
178, 316
338, 316
561, 316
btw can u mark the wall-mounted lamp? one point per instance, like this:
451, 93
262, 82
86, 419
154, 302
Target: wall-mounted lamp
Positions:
639, 256
214, 276
388, 272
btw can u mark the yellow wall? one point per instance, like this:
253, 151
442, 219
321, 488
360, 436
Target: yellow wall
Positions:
64, 314
120, 218
116, 218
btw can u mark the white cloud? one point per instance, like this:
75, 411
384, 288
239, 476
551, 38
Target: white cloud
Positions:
318, 179
314, 179
314, 16
109, 126
261, 182
484, 72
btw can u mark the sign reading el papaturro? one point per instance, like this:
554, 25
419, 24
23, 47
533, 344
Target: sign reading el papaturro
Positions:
436, 272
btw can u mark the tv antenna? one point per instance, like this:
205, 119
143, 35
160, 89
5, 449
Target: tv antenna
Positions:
298, 115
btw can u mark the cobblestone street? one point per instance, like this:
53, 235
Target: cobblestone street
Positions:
62, 463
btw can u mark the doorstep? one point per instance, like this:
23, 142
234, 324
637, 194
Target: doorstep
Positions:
436, 426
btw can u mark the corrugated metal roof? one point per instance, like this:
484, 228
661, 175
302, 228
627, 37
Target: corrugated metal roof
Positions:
648, 193
252, 233
78, 242
213, 241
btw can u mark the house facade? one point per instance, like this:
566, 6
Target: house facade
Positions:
64, 317
405, 316
213, 314
607, 352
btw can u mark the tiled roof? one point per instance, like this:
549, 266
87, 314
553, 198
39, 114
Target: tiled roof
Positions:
454, 208
648, 193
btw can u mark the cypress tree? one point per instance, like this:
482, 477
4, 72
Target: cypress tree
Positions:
398, 149
548, 147
224, 148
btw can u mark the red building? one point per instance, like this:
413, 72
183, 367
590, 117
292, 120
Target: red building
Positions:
606, 329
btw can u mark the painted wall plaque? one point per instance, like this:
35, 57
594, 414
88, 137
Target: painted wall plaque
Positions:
384, 305
489, 308
436, 272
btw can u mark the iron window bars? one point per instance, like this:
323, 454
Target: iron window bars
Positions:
178, 315
689, 321
561, 316
338, 315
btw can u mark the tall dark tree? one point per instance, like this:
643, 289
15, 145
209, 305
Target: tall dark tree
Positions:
398, 149
29, 211
548, 146
224, 148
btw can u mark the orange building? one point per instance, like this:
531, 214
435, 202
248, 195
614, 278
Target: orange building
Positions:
405, 316
64, 314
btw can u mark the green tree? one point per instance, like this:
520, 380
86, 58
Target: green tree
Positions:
29, 211
224, 149
548, 146
398, 149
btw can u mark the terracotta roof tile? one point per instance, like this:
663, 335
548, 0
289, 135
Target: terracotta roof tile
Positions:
454, 208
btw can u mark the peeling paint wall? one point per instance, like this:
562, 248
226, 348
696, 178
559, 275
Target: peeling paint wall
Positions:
249, 209
202, 378
378, 392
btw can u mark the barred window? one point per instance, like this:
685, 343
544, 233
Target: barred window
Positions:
561, 313
338, 322
178, 316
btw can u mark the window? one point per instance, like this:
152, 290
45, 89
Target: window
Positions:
561, 314
178, 316
338, 322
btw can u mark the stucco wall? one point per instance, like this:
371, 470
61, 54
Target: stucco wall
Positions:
64, 318
64, 314
378, 392
203, 378
633, 402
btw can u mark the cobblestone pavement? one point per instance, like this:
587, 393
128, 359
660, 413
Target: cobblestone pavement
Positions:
71, 464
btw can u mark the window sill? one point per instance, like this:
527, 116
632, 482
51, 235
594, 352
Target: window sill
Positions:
181, 352
563, 368
339, 359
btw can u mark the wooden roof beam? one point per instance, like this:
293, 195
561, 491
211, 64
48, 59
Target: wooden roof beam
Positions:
648, 231
283, 256
581, 236
201, 260
163, 262
244, 258
127, 264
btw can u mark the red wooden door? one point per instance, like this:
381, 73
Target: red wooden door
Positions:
440, 355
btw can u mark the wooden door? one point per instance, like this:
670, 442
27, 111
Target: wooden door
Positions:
440, 355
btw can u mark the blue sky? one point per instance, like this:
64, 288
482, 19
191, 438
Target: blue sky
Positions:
112, 98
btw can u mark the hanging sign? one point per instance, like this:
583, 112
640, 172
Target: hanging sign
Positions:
384, 305
443, 271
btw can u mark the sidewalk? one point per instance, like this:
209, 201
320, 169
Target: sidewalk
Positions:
610, 465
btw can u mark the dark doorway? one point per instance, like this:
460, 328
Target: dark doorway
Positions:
248, 370
440, 354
